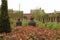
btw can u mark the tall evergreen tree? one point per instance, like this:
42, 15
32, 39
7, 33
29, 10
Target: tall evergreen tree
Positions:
4, 17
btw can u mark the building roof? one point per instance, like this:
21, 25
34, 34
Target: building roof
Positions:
57, 11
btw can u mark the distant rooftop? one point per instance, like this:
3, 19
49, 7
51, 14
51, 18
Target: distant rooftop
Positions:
57, 11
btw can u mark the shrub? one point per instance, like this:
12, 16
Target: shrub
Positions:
5, 18
52, 25
25, 23
39, 24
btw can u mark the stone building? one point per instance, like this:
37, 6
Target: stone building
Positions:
54, 17
51, 17
28, 15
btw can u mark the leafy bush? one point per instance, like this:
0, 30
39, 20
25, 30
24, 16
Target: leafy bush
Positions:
49, 24
52, 25
12, 22
25, 23
39, 24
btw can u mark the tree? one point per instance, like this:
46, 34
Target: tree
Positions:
10, 13
36, 14
0, 19
39, 14
4, 17
42, 15
20, 14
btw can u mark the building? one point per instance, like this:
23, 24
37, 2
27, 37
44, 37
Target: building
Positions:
54, 17
28, 15
51, 17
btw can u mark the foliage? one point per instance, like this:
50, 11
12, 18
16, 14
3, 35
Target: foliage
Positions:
25, 17
30, 33
24, 23
15, 14
52, 25
12, 22
5, 18
54, 15
39, 24
18, 14
38, 14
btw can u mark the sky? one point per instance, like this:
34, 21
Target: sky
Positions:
27, 5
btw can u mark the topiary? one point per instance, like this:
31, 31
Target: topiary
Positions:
5, 18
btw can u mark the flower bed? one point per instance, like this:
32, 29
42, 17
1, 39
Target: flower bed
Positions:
30, 33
